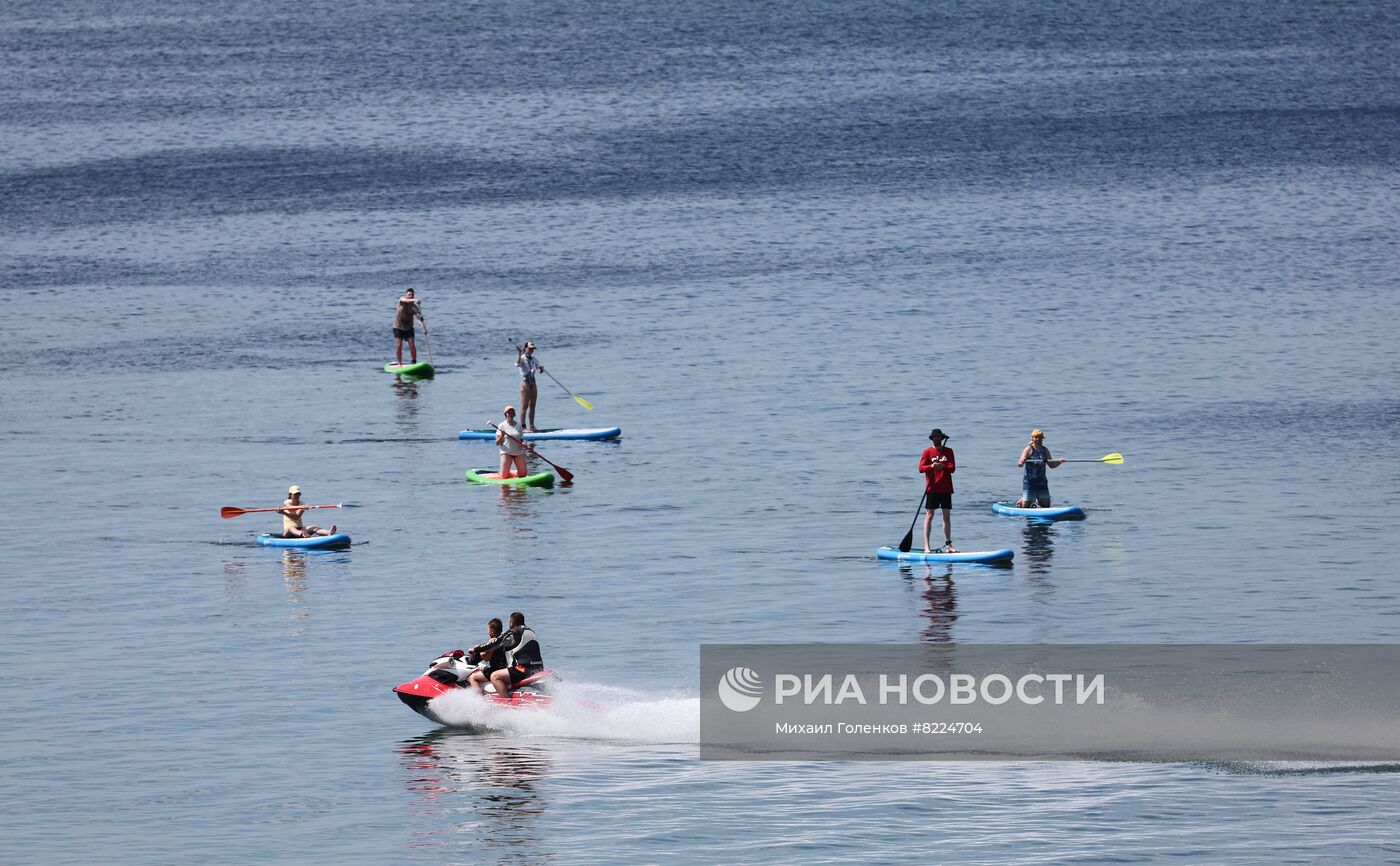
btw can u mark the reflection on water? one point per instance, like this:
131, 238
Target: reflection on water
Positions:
480, 797
294, 577
406, 387
1039, 539
515, 502
939, 609
234, 579
940, 606
519, 507
252, 581
294, 570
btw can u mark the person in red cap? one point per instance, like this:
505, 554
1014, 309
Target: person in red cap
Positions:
937, 465
511, 439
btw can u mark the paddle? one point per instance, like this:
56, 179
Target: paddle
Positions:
426, 342
582, 402
230, 511
908, 541
563, 473
1114, 459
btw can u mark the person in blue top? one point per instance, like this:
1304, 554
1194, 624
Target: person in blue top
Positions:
1035, 457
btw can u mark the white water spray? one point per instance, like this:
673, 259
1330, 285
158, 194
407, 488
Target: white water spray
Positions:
582, 711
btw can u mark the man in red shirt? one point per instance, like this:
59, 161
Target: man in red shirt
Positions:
938, 466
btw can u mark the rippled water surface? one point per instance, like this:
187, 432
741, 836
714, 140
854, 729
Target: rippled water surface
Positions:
775, 244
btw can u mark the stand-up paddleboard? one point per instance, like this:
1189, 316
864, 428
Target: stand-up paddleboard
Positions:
315, 542
489, 476
1064, 512
595, 433
1004, 555
422, 369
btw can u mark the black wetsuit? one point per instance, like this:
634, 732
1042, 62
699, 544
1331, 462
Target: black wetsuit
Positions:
491, 653
521, 648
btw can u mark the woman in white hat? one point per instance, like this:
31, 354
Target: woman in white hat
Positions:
291, 518
528, 366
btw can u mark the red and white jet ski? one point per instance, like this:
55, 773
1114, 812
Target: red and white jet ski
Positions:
448, 673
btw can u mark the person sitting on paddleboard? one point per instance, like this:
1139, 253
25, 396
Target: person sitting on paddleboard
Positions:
407, 310
510, 438
523, 658
494, 657
1035, 487
937, 465
291, 513
528, 366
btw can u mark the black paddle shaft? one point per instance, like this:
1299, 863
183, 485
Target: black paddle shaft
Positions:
908, 541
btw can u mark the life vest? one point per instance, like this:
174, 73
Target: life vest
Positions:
525, 653
1035, 466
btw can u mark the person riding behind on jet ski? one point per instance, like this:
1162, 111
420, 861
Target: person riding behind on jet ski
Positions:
523, 658
494, 657
522, 655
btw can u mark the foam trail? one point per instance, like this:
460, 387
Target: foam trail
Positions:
582, 711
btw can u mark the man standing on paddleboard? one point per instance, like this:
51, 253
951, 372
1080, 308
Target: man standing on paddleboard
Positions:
407, 311
291, 513
937, 465
1035, 487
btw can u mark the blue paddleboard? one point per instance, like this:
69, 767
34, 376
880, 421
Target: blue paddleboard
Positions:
556, 433
317, 542
1064, 512
1003, 555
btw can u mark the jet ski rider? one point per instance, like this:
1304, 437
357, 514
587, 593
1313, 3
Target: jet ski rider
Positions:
522, 655
495, 658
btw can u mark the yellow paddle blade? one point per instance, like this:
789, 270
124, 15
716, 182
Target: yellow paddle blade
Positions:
1115, 459
589, 406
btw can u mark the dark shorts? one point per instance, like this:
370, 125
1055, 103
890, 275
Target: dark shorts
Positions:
516, 675
938, 500
1034, 490
403, 333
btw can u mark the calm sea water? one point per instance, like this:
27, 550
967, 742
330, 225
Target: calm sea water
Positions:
776, 244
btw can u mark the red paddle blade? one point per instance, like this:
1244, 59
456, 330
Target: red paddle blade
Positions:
230, 511
564, 474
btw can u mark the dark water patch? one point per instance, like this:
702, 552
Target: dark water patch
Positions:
882, 143
374, 440
1305, 768
42, 272
1310, 419
316, 49
319, 341
283, 180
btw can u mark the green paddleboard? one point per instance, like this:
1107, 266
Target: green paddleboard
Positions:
422, 369
490, 476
